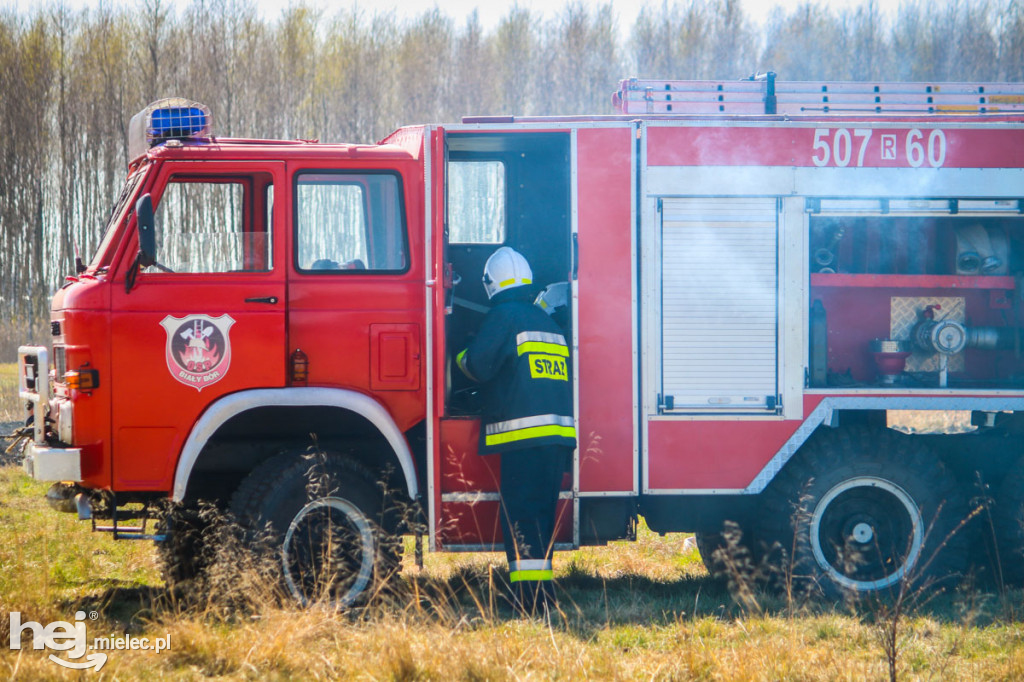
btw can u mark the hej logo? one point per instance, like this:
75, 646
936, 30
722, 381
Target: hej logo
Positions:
72, 637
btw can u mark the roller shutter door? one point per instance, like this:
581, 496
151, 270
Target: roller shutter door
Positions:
719, 303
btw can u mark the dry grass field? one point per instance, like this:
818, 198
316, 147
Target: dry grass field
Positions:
629, 611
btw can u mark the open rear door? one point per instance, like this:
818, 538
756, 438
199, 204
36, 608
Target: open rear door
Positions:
498, 187
564, 196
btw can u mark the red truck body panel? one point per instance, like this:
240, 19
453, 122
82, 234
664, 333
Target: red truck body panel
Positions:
748, 144
607, 408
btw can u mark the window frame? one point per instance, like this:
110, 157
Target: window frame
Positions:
249, 182
402, 220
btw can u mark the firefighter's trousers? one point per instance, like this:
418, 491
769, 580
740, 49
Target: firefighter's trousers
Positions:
530, 481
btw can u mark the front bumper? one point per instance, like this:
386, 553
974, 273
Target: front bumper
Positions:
44, 463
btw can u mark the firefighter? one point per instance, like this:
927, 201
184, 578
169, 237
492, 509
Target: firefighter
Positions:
521, 359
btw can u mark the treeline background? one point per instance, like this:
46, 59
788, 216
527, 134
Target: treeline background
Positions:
70, 80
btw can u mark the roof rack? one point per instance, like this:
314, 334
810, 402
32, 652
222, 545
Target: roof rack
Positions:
762, 94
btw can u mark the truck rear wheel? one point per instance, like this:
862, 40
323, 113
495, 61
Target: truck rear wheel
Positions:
1008, 520
866, 512
321, 520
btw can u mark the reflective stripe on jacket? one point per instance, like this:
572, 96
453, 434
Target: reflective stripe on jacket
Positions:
523, 362
541, 425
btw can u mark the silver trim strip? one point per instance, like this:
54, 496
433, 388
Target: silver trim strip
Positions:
784, 181
543, 126
634, 278
232, 405
791, 123
574, 293
695, 491
472, 497
559, 547
428, 264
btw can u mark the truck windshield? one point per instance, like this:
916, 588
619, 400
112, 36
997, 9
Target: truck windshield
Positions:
101, 259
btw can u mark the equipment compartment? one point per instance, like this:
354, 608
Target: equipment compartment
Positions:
920, 300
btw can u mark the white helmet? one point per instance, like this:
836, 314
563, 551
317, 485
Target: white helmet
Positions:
506, 269
554, 297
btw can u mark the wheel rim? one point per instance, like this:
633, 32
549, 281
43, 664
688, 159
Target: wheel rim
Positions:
328, 552
866, 533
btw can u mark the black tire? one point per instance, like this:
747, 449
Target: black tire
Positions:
727, 550
1008, 521
707, 545
321, 518
866, 512
187, 550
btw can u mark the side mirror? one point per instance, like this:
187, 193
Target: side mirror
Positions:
147, 235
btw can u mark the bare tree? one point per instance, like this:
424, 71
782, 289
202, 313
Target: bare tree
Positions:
581, 60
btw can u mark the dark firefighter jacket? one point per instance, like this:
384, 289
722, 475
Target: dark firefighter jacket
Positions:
521, 358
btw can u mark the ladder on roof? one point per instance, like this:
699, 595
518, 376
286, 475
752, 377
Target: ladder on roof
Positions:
764, 95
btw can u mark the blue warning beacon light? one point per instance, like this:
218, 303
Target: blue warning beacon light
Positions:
173, 118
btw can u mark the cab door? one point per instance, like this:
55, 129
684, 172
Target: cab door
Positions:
206, 321
355, 292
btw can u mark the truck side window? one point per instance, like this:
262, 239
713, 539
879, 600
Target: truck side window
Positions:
476, 202
207, 225
349, 222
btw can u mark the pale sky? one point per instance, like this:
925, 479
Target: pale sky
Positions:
490, 11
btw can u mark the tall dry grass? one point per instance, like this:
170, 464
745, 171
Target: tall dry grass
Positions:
644, 610
11, 409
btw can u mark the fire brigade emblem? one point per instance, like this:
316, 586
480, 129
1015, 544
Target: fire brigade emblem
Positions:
198, 348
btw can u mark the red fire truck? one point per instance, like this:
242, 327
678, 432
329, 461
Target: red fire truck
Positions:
796, 306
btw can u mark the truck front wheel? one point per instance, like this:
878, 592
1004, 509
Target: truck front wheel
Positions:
867, 512
188, 546
320, 519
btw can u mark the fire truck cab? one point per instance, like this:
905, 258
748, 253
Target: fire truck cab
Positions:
794, 306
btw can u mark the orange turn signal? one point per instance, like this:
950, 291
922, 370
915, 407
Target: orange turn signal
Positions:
300, 367
82, 379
